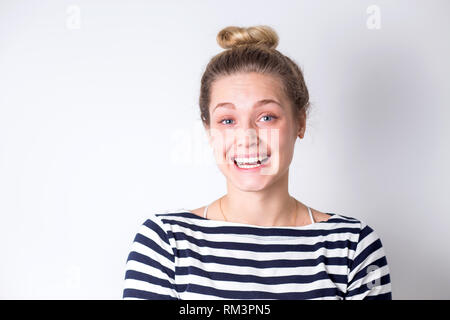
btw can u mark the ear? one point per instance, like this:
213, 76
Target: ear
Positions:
301, 125
301, 133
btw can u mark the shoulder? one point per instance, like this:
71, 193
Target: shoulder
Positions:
340, 221
352, 229
169, 221
158, 224
369, 240
163, 218
320, 216
365, 240
348, 220
199, 211
368, 264
157, 233
364, 230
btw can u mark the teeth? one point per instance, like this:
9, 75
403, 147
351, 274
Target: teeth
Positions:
248, 166
250, 161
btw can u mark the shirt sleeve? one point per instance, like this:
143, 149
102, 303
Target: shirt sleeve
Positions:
368, 273
150, 267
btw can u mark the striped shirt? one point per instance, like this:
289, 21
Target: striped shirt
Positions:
180, 255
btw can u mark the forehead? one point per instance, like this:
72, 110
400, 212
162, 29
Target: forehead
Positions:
245, 88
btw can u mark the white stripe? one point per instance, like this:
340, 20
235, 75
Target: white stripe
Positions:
386, 288
371, 276
328, 298
146, 251
248, 238
218, 223
149, 287
200, 296
152, 235
253, 286
373, 256
143, 268
241, 240
262, 272
261, 256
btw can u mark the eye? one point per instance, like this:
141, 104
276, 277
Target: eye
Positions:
270, 116
221, 121
264, 116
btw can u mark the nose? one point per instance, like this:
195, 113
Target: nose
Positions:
246, 139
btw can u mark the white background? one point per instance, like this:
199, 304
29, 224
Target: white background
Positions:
100, 125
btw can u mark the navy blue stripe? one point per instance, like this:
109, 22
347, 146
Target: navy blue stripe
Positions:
180, 288
365, 287
257, 247
136, 256
231, 294
365, 232
382, 296
363, 255
349, 218
155, 227
265, 231
332, 219
133, 293
278, 263
267, 280
381, 262
321, 244
136, 275
154, 246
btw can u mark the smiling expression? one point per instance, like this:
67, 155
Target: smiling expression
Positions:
252, 118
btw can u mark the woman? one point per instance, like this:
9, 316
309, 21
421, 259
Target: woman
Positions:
257, 241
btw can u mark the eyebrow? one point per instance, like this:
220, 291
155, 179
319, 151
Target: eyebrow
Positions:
256, 105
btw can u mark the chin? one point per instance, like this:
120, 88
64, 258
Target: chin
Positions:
248, 187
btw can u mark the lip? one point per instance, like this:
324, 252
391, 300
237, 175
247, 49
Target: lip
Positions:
267, 163
255, 155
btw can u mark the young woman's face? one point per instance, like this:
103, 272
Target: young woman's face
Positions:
251, 119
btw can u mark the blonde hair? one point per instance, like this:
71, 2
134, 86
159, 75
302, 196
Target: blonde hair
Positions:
232, 37
253, 49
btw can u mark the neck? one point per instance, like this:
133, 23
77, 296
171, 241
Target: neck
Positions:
272, 206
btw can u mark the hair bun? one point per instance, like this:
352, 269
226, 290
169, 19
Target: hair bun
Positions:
232, 37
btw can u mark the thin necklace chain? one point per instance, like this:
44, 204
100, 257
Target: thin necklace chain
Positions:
220, 204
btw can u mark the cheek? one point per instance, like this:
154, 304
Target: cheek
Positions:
220, 147
279, 141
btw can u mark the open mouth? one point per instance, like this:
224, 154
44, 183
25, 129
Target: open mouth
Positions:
250, 163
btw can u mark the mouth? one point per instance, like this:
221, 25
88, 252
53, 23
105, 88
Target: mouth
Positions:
248, 163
